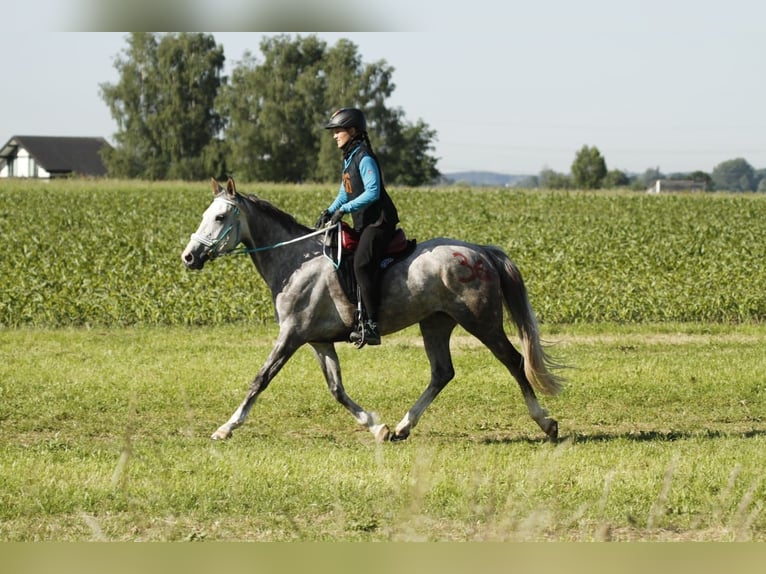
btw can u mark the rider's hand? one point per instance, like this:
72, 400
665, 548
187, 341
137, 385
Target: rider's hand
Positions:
337, 216
324, 217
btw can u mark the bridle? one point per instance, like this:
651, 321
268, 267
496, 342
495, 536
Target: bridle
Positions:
214, 245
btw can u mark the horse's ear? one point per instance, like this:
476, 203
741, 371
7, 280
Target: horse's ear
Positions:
216, 186
231, 187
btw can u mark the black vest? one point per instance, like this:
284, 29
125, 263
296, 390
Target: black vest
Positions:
381, 212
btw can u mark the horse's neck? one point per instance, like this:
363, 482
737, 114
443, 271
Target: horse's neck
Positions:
275, 263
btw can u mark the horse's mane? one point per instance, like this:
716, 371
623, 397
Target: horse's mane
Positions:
281, 217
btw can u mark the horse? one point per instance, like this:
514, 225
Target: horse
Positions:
441, 284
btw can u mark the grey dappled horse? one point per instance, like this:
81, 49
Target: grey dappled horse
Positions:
442, 284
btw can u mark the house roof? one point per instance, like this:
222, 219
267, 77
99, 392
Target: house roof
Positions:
60, 154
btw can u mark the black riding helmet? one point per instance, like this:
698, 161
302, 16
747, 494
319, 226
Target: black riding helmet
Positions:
348, 118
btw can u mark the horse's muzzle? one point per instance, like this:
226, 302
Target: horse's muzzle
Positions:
192, 261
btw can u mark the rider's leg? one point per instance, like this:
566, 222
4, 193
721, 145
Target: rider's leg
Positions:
372, 244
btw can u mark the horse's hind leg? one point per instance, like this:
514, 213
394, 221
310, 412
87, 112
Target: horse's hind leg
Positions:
436, 331
502, 348
328, 362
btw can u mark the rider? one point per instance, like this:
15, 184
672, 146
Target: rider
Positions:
363, 195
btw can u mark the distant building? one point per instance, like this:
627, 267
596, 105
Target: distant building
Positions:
661, 185
47, 157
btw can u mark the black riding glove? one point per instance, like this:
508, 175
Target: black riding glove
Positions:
337, 216
324, 217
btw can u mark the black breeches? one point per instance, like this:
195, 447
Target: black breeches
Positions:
369, 252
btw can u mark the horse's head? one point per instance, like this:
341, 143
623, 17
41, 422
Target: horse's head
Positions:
220, 230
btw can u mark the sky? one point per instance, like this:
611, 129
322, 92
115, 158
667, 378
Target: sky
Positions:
511, 87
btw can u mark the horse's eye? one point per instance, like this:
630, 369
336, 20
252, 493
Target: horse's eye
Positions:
220, 217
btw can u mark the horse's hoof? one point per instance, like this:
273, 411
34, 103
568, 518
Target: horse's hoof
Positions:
221, 434
381, 432
399, 437
553, 431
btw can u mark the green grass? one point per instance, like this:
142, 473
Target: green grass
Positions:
118, 364
104, 436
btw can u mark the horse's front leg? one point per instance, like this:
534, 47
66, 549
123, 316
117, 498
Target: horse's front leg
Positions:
283, 349
328, 362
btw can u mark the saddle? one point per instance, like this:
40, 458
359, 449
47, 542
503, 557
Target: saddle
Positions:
350, 239
399, 248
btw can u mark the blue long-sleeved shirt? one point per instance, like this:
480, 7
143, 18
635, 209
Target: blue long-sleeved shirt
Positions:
368, 170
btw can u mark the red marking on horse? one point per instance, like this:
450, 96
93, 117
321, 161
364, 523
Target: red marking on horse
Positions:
477, 270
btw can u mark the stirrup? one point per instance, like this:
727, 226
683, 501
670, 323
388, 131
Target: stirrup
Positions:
367, 335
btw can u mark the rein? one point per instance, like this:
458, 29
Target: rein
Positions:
325, 230
242, 250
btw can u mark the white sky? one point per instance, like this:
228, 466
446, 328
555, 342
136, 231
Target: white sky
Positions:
509, 86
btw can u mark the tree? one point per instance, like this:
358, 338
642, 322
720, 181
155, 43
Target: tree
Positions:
734, 175
588, 169
163, 104
703, 178
760, 176
274, 109
403, 151
550, 179
615, 178
277, 109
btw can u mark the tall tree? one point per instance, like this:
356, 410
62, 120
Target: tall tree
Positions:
702, 178
734, 175
615, 178
589, 168
277, 109
163, 104
274, 110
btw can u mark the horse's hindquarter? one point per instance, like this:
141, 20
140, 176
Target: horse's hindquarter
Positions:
441, 276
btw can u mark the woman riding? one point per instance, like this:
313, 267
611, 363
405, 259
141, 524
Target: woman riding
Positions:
363, 195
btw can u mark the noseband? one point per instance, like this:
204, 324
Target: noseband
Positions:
214, 245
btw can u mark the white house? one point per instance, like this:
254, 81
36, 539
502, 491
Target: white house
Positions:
48, 157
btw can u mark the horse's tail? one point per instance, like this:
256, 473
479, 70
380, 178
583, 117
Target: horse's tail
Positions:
537, 363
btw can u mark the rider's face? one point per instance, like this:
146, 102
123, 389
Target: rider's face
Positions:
341, 136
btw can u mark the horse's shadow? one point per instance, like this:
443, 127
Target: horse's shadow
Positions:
633, 436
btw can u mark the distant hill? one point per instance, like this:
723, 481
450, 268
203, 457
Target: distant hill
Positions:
487, 178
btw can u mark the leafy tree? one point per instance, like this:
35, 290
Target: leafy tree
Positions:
734, 175
589, 168
550, 179
703, 178
615, 178
163, 104
274, 110
760, 177
403, 151
277, 109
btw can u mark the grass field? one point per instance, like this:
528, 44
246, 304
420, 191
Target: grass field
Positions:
117, 365
105, 437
